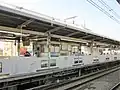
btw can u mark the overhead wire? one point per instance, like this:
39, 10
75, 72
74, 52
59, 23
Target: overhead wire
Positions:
103, 10
109, 8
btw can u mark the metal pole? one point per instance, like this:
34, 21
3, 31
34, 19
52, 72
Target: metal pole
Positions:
18, 47
79, 72
80, 45
20, 41
48, 46
91, 47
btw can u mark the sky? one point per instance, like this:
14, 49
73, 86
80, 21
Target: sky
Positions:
86, 14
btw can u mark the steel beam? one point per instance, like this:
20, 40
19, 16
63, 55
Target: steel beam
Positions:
15, 17
16, 30
98, 38
40, 17
85, 36
71, 34
102, 40
25, 23
55, 29
3, 28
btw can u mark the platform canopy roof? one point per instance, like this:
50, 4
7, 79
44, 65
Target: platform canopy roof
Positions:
13, 19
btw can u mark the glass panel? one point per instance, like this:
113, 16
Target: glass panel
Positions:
80, 61
75, 49
64, 46
44, 65
57, 49
52, 49
45, 48
75, 62
69, 47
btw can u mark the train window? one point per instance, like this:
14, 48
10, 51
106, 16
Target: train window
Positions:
55, 48
80, 61
75, 62
0, 67
96, 60
115, 58
74, 49
107, 58
44, 63
54, 54
63, 54
52, 62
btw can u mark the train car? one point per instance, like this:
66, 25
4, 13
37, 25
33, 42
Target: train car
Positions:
20, 65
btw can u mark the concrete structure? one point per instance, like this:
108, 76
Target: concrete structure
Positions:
60, 51
53, 41
25, 24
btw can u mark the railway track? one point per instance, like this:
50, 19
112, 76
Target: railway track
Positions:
76, 82
116, 86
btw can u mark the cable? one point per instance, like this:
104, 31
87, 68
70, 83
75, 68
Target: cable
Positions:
109, 8
102, 10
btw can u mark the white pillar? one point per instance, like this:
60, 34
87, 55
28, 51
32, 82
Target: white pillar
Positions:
18, 47
48, 46
80, 48
91, 47
79, 72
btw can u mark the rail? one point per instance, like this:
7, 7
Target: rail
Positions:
115, 86
44, 72
50, 76
73, 83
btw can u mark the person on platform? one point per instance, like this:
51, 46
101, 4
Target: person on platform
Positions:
27, 54
24, 52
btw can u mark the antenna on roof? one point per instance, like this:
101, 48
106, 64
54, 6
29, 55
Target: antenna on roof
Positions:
84, 24
71, 18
